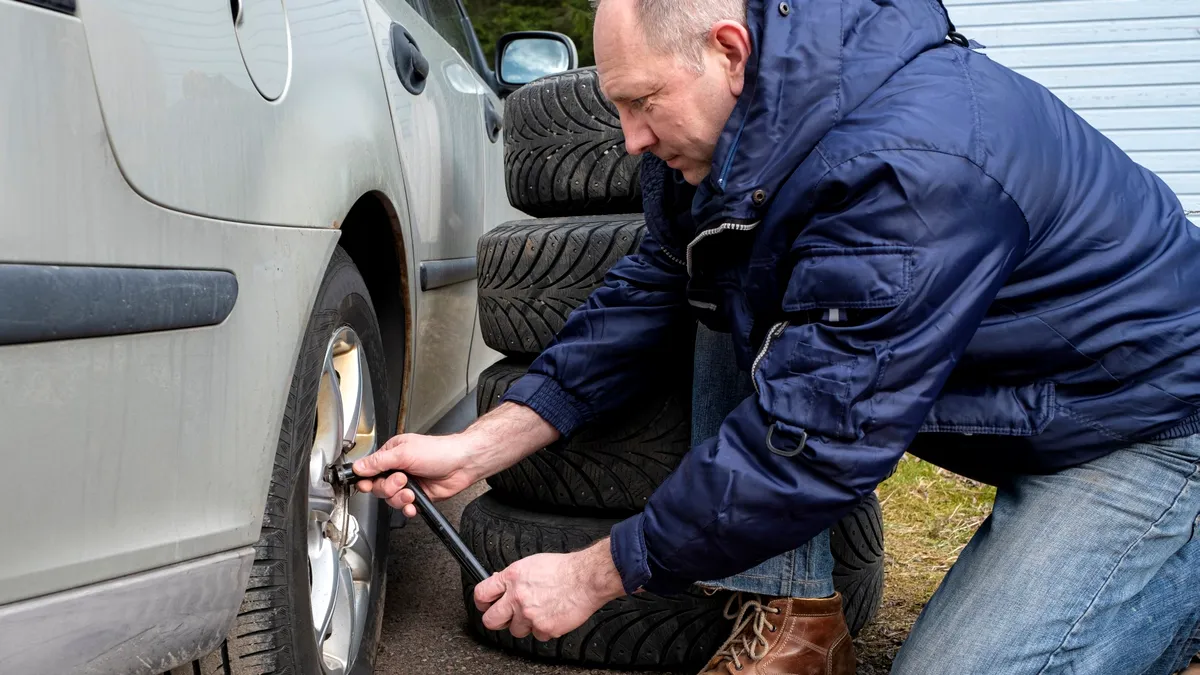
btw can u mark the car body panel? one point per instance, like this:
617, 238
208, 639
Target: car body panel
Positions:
142, 624
138, 430
192, 132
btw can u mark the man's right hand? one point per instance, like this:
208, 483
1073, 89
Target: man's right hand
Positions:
446, 465
443, 464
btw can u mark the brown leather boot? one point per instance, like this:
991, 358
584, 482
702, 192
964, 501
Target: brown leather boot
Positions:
786, 636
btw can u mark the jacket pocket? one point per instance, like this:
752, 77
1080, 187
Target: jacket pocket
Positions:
994, 410
871, 277
815, 390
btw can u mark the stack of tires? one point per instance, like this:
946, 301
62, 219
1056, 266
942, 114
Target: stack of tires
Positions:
566, 164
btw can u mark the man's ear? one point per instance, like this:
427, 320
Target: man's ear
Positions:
731, 42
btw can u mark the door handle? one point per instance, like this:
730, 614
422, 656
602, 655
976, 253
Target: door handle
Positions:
411, 65
491, 119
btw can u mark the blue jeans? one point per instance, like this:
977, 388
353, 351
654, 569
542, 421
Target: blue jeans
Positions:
1094, 569
1091, 570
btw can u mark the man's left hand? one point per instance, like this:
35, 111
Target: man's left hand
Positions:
549, 594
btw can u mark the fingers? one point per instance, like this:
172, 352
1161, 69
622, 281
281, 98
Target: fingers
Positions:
500, 615
391, 490
391, 456
499, 598
488, 591
520, 626
403, 500
388, 489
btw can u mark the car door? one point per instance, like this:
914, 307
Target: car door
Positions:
437, 102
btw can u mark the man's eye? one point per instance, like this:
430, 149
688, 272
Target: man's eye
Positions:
638, 102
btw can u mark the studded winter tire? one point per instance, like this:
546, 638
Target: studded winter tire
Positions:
534, 273
564, 152
611, 465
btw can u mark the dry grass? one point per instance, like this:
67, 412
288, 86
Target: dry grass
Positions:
929, 515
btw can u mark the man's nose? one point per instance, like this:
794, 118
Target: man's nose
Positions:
638, 136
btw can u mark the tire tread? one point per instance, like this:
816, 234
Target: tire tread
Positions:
564, 150
610, 466
856, 542
532, 274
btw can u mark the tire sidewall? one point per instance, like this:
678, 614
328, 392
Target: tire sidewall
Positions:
341, 301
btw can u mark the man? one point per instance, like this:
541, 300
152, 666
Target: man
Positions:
898, 236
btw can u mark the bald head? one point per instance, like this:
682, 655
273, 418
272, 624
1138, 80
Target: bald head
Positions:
674, 70
678, 27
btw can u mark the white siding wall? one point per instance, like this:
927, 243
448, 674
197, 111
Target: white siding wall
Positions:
1130, 67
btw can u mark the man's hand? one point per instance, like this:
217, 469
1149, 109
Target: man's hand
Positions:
549, 594
446, 465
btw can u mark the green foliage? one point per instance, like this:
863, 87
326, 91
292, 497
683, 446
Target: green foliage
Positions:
570, 17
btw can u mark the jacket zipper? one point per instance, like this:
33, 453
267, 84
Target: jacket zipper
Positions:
775, 332
673, 259
723, 227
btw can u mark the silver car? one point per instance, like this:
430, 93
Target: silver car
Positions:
236, 247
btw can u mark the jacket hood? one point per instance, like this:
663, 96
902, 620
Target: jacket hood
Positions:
814, 61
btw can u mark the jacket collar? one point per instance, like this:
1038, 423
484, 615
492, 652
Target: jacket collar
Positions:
814, 62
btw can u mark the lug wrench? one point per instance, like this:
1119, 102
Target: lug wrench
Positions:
344, 475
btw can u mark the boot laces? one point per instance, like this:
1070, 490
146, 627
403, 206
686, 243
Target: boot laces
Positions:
747, 638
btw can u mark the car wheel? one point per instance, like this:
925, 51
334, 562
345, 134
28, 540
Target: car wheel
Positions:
533, 273
315, 597
564, 153
611, 465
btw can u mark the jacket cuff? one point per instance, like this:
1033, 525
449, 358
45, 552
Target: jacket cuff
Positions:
638, 570
550, 401
628, 548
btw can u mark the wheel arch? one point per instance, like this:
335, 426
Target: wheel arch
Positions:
372, 235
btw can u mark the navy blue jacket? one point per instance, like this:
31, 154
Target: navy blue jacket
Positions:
902, 236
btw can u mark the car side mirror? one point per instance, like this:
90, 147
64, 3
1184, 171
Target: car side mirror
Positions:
524, 56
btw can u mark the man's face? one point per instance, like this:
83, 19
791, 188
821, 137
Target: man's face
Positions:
666, 106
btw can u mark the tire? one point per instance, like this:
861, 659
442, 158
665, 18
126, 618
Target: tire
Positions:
564, 153
857, 545
274, 631
642, 631
533, 273
611, 466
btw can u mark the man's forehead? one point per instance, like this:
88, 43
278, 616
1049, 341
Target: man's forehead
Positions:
621, 51
626, 81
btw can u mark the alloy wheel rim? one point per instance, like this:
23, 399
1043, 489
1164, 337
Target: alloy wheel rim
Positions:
342, 524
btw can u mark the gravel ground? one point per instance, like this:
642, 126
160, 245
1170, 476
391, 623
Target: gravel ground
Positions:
424, 623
